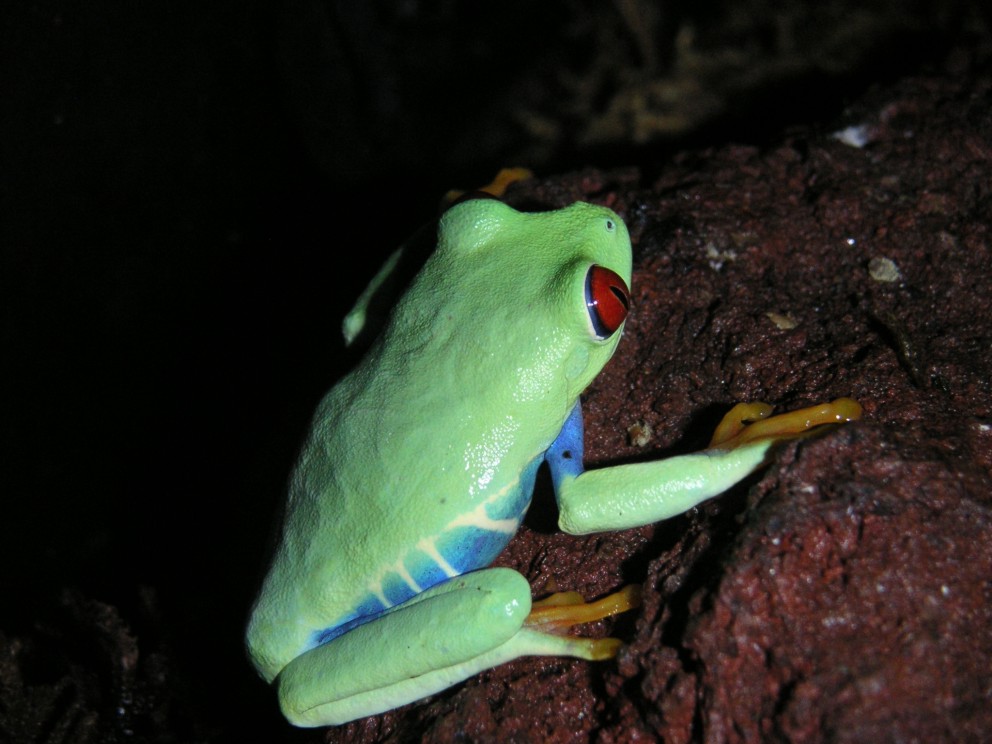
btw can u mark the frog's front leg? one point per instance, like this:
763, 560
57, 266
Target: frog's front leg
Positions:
631, 495
439, 638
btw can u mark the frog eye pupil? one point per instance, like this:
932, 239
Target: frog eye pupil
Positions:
607, 300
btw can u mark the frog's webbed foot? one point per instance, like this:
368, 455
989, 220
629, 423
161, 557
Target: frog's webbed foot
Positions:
750, 422
558, 612
494, 189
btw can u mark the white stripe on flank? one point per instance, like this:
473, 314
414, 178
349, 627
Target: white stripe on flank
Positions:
410, 581
479, 518
428, 547
375, 586
376, 589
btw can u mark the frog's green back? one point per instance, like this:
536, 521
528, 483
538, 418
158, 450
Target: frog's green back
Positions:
420, 463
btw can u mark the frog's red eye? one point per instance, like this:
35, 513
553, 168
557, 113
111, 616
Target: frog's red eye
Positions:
607, 299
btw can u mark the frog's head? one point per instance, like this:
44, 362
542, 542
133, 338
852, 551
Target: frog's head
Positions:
542, 295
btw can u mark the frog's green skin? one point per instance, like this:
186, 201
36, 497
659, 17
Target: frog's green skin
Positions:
420, 465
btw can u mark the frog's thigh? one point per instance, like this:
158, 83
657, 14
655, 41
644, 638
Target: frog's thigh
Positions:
438, 638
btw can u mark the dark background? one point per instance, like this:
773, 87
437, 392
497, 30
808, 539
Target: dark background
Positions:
192, 194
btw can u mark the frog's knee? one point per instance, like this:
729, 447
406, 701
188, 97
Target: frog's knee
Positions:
501, 596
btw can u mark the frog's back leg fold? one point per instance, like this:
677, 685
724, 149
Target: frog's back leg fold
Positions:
437, 639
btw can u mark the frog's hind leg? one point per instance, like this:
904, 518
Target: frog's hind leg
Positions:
439, 638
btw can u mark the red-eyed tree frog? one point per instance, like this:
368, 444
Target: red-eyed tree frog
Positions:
420, 464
